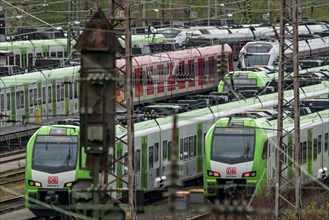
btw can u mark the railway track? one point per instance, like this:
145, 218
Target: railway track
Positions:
12, 156
11, 204
12, 177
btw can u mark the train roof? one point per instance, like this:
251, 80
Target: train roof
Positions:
26, 44
33, 77
226, 109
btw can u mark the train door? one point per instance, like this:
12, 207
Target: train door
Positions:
138, 82
191, 74
160, 79
3, 106
149, 81
19, 97
56, 51
26, 104
211, 70
153, 160
200, 76
181, 75
171, 79
32, 55
138, 162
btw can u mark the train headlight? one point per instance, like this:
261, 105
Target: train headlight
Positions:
249, 174
213, 173
35, 183
69, 184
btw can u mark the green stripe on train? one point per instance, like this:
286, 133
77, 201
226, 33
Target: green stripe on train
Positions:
199, 146
144, 172
119, 153
309, 150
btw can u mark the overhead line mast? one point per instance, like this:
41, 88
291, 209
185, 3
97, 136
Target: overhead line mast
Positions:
289, 16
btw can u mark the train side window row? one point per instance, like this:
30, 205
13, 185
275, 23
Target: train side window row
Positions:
317, 148
21, 60
32, 96
187, 147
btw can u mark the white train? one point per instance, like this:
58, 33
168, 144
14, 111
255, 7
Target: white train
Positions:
263, 53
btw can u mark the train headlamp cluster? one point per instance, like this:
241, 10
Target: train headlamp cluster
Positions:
69, 184
35, 183
249, 174
213, 173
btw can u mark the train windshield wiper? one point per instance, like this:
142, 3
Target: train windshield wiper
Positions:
246, 151
67, 159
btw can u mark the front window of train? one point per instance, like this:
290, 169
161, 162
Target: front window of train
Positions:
255, 60
239, 83
233, 145
55, 153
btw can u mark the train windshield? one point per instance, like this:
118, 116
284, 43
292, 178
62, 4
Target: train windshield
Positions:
55, 153
239, 83
252, 60
233, 145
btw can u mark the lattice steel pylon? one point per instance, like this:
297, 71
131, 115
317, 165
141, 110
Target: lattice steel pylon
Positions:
285, 168
127, 101
73, 23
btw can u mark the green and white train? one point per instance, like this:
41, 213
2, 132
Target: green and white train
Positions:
265, 79
240, 152
53, 153
153, 150
26, 52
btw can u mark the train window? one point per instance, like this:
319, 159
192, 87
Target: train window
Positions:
12, 98
44, 95
125, 159
304, 151
169, 150
35, 96
191, 146
39, 54
53, 54
151, 157
49, 94
264, 154
165, 150
137, 160
26, 98
62, 92
185, 155
30, 59
156, 152
60, 54
2, 102
17, 100
11, 60
194, 145
17, 60
181, 149
319, 144
58, 93
21, 99
8, 101
75, 90
326, 141
315, 152
181, 69
31, 97
71, 90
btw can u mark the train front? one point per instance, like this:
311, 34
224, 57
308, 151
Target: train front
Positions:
234, 158
51, 164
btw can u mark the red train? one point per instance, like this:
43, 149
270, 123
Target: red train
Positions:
172, 74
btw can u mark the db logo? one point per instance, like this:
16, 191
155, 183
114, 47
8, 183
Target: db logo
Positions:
52, 179
231, 171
